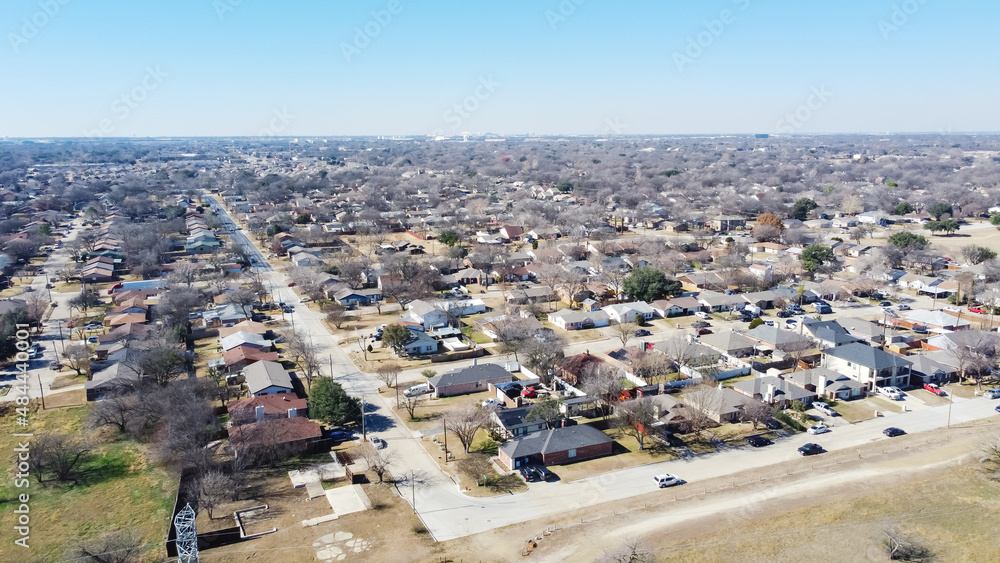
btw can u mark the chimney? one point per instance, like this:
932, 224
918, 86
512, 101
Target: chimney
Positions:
292, 413
260, 412
770, 393
821, 386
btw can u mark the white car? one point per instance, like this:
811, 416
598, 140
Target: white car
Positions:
491, 403
419, 389
666, 480
702, 315
305, 299
824, 408
891, 392
992, 393
818, 429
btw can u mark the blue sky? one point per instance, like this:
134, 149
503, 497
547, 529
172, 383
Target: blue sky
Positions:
252, 67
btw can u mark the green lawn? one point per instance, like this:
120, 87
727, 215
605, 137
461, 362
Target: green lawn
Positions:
123, 491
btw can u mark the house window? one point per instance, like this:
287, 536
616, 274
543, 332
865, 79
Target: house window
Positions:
572, 453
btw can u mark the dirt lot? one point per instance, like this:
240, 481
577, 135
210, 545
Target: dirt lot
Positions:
774, 513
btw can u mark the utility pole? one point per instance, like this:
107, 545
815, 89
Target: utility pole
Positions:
41, 391
364, 433
446, 441
413, 491
396, 385
59, 323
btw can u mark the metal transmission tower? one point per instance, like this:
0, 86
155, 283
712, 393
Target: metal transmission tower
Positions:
187, 535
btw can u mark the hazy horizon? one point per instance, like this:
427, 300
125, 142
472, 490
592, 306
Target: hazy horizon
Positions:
230, 68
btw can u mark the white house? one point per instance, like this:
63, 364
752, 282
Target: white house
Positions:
568, 319
627, 312
426, 314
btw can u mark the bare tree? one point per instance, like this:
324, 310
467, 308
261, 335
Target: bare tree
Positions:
701, 401
59, 457
77, 356
336, 314
796, 349
119, 546
541, 353
216, 487
185, 273
678, 349
305, 355
117, 410
466, 422
975, 351
243, 298
902, 547
378, 460
631, 550
756, 413
651, 366
624, 331
388, 374
409, 403
636, 417
603, 384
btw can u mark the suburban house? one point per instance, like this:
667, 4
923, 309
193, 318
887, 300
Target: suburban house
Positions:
296, 435
267, 378
695, 281
472, 379
354, 297
774, 338
241, 356
870, 366
256, 409
729, 343
568, 319
827, 384
245, 339
426, 314
933, 368
514, 423
726, 223
420, 343
556, 446
717, 302
936, 321
627, 312
828, 334
676, 306
719, 404
774, 391
537, 294
573, 369
874, 334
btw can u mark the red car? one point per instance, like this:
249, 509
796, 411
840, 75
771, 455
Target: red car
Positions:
933, 388
292, 284
114, 287
976, 310
529, 393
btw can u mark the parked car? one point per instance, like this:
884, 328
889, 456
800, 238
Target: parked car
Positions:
379, 443
701, 315
818, 429
305, 299
339, 434
92, 340
824, 408
953, 309
702, 331
666, 480
529, 393
491, 402
992, 393
810, 449
903, 307
934, 388
885, 304
419, 389
997, 408
976, 310
784, 314
892, 432
772, 424
642, 332
891, 392
546, 475
759, 441
529, 473
291, 284
93, 326
769, 322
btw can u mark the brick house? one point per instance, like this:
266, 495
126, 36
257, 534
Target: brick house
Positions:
472, 379
556, 446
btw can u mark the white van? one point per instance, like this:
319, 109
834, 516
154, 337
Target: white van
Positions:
702, 315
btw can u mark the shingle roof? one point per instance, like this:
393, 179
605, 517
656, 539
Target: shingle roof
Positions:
867, 356
264, 374
471, 374
555, 440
